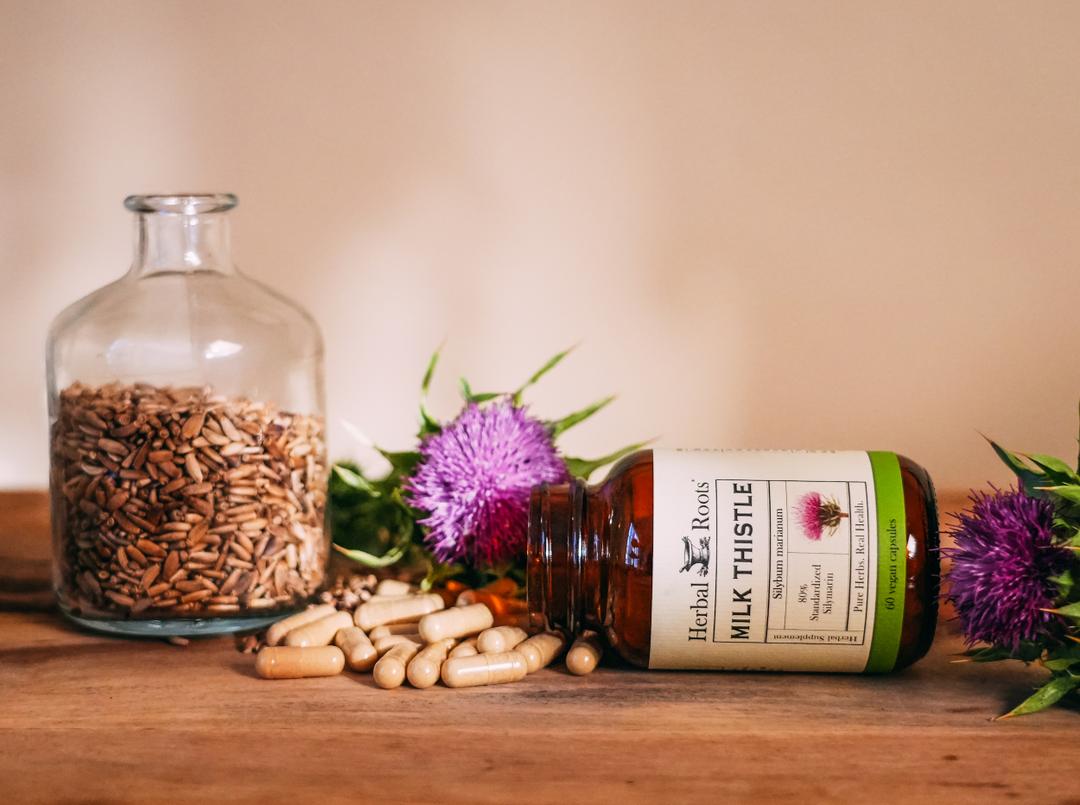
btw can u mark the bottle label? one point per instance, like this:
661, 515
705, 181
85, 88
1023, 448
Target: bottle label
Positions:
781, 561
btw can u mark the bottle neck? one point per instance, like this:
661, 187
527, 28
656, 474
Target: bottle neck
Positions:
181, 234
567, 551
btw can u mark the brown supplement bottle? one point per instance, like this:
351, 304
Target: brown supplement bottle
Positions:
743, 560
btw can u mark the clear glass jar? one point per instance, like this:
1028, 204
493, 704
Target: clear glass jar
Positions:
188, 461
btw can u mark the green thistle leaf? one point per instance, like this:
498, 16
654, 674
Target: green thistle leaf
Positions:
469, 396
391, 557
1066, 584
1054, 468
1049, 694
543, 370
355, 480
987, 654
428, 424
583, 468
1067, 611
1069, 492
1029, 478
560, 426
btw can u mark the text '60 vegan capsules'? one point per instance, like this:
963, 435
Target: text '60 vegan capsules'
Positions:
743, 560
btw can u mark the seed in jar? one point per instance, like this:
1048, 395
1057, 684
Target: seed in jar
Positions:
455, 622
389, 671
360, 654
424, 668
413, 608
584, 655
499, 638
484, 669
540, 650
296, 662
319, 632
277, 632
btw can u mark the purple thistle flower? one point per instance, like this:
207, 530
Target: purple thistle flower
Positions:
1003, 562
474, 479
808, 510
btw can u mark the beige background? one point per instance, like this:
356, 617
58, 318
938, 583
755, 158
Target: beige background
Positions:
768, 224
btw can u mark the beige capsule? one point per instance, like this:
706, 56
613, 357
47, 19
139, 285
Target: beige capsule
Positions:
360, 654
388, 629
423, 670
455, 622
395, 597
499, 638
389, 671
276, 633
297, 662
402, 610
584, 655
465, 648
384, 644
393, 587
539, 650
484, 669
320, 632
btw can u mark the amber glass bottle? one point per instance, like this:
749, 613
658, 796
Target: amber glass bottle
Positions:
743, 560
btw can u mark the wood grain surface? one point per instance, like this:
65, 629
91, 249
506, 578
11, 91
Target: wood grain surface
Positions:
94, 719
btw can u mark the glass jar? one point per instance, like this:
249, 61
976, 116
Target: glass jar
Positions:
188, 460
743, 560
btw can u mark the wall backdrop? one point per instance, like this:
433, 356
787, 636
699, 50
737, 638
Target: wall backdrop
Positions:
830, 224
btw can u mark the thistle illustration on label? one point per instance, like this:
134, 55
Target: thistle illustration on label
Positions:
775, 570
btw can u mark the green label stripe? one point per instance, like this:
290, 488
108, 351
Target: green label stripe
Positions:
891, 562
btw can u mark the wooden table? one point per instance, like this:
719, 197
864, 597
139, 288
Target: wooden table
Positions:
95, 719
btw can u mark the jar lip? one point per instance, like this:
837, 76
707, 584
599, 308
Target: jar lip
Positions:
181, 203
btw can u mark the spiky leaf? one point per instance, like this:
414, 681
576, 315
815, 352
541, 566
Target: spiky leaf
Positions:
987, 654
1068, 492
371, 560
355, 480
469, 396
560, 426
428, 424
539, 373
583, 468
1055, 468
1050, 693
1029, 478
1068, 611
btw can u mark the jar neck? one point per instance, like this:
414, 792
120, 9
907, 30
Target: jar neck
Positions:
181, 234
567, 556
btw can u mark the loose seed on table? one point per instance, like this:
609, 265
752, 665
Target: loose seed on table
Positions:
584, 655
296, 662
455, 622
484, 669
499, 638
320, 632
389, 671
539, 650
